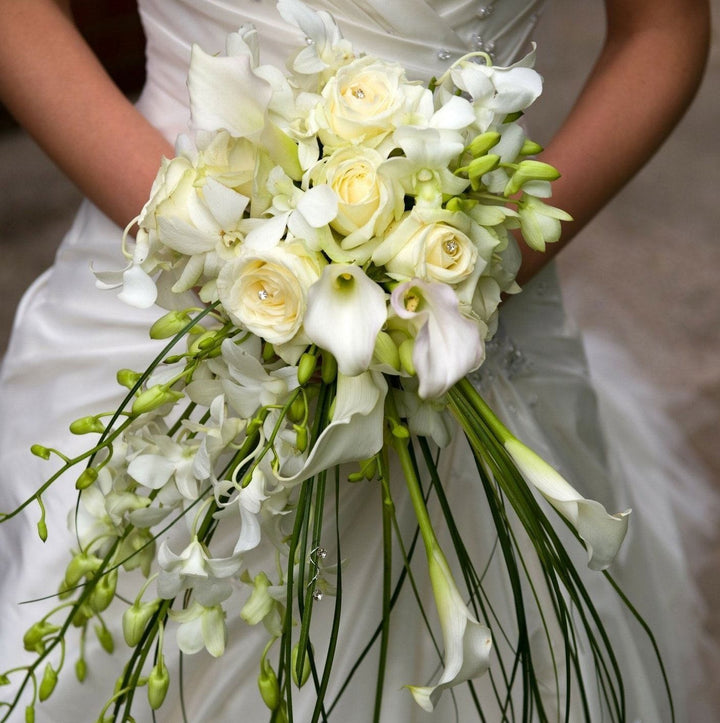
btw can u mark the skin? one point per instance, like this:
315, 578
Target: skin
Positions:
645, 77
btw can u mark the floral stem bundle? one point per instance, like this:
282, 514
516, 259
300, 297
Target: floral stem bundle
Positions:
332, 245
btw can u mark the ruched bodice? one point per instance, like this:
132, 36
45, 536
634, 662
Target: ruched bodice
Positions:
424, 35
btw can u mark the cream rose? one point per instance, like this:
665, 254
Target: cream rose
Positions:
431, 248
265, 291
364, 102
367, 201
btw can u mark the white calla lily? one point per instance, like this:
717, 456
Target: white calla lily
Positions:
356, 430
602, 532
448, 345
345, 312
468, 643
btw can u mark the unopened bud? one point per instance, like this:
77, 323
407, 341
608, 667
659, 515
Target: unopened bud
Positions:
172, 323
405, 351
530, 148
306, 367
399, 431
329, 368
39, 451
81, 669
268, 351
87, 425
4, 679
301, 437
153, 398
42, 529
48, 683
480, 166
104, 591
135, 620
297, 410
386, 351
86, 478
105, 637
483, 143
268, 685
30, 714
33, 640
127, 378
304, 674
158, 684
79, 567
530, 171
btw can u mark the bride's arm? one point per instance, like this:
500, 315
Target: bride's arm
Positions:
55, 86
644, 79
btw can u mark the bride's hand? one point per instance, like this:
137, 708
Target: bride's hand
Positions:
644, 79
55, 86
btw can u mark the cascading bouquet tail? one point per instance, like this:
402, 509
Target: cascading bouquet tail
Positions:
332, 246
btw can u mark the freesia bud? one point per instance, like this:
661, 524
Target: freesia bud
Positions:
268, 685
86, 478
153, 398
39, 451
87, 425
306, 367
127, 378
135, 620
49, 681
203, 342
483, 143
172, 323
305, 672
158, 684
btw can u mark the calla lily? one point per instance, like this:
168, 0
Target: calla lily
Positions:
468, 643
356, 430
345, 312
447, 344
602, 532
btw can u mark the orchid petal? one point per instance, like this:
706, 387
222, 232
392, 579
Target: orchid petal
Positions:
318, 205
139, 289
345, 312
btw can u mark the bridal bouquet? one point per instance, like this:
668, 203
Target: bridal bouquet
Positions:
332, 247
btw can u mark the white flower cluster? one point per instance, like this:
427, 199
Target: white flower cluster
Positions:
306, 199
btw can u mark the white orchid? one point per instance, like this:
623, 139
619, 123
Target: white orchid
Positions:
345, 312
201, 627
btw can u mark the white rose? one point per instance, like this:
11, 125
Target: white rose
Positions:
365, 101
367, 201
265, 291
435, 247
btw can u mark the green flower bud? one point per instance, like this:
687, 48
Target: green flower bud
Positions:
203, 342
483, 143
158, 684
105, 637
259, 604
42, 529
530, 148
480, 166
306, 367
81, 669
297, 409
87, 425
81, 615
33, 640
301, 437
127, 378
172, 323
39, 451
30, 714
530, 171
153, 398
386, 351
268, 685
79, 567
48, 683
135, 620
268, 351
329, 368
257, 422
104, 591
86, 478
399, 431
4, 679
405, 351
305, 672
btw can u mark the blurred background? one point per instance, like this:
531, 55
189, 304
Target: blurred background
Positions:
644, 274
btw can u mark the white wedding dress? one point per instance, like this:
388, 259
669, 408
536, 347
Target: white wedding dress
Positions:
70, 338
